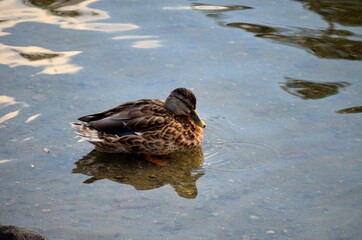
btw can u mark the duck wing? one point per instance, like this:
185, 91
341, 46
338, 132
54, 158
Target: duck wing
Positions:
130, 118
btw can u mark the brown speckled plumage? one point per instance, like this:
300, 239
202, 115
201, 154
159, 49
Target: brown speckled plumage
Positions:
148, 126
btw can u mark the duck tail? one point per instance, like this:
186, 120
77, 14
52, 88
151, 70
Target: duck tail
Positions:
86, 132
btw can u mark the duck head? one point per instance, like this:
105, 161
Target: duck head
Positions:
182, 102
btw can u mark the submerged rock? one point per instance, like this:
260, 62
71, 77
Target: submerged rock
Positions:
17, 233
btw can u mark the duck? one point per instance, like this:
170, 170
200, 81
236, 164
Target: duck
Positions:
151, 127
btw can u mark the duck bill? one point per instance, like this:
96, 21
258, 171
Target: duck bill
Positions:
197, 119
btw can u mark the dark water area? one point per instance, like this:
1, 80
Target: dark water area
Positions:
278, 84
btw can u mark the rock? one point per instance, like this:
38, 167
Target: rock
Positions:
46, 150
17, 233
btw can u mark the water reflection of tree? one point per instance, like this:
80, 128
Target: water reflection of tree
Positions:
325, 43
216, 11
54, 6
184, 169
347, 13
334, 42
312, 90
329, 43
356, 109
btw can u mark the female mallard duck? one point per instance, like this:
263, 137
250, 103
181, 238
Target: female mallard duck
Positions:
146, 126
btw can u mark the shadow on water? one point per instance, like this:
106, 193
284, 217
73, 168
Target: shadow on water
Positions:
328, 43
312, 90
182, 173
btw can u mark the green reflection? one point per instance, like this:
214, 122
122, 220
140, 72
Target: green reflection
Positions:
216, 11
54, 6
38, 56
356, 109
345, 12
328, 43
50, 4
52, 62
61, 13
254, 28
216, 8
184, 169
312, 90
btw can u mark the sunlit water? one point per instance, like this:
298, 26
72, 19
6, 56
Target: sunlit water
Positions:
278, 84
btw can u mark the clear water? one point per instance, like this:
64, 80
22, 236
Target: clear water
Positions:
278, 84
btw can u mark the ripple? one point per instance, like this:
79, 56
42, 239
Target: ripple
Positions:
74, 15
235, 154
238, 155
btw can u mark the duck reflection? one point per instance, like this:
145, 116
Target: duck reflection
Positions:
184, 169
328, 43
312, 90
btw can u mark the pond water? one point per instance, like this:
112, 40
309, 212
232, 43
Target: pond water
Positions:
278, 84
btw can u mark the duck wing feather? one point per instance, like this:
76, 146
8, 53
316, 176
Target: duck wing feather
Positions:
130, 117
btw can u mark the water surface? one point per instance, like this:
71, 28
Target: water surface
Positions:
278, 84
